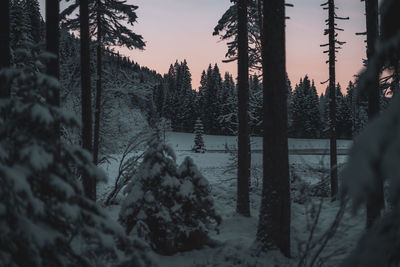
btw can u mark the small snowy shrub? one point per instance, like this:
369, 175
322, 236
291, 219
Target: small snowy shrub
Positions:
169, 207
198, 138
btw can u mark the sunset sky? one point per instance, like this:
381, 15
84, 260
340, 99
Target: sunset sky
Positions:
182, 29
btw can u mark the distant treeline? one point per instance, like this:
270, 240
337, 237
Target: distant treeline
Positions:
215, 103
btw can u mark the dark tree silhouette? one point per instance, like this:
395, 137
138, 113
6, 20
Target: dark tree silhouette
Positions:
375, 202
52, 46
4, 45
274, 221
105, 19
243, 201
89, 183
333, 44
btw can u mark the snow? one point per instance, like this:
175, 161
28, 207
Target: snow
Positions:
184, 141
236, 233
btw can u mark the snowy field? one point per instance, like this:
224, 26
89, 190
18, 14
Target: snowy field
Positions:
184, 141
236, 234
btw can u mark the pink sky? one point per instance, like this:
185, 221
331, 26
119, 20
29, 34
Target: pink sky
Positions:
182, 29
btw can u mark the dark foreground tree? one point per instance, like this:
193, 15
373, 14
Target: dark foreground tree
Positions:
333, 45
46, 220
368, 161
243, 201
376, 202
89, 183
5, 56
52, 46
274, 222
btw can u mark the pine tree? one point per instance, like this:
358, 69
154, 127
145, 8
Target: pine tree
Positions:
243, 174
180, 97
274, 220
227, 29
305, 113
379, 245
198, 137
169, 207
333, 45
209, 102
89, 183
52, 46
376, 202
45, 215
228, 114
255, 102
343, 116
32, 9
5, 56
106, 20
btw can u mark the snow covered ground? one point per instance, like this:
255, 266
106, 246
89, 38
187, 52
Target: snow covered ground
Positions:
184, 141
237, 233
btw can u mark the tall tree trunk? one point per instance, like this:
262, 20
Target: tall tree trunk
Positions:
89, 182
5, 55
243, 202
52, 46
332, 99
96, 142
274, 221
376, 202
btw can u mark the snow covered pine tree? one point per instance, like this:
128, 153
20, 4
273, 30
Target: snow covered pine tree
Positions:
198, 138
170, 208
45, 218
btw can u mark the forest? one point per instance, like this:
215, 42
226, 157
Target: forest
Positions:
107, 162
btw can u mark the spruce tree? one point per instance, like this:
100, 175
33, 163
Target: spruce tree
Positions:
333, 44
198, 137
89, 183
228, 114
376, 202
45, 215
274, 220
35, 20
52, 46
169, 207
243, 173
5, 55
106, 20
305, 114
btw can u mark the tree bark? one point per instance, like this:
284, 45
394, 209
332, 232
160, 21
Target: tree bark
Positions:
96, 142
243, 201
89, 182
376, 202
52, 46
332, 100
5, 55
274, 221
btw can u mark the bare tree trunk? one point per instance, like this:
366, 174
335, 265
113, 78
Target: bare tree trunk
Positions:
274, 221
376, 202
243, 201
5, 55
96, 142
52, 46
89, 183
332, 99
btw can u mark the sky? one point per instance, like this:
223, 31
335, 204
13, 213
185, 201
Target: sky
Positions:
182, 29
